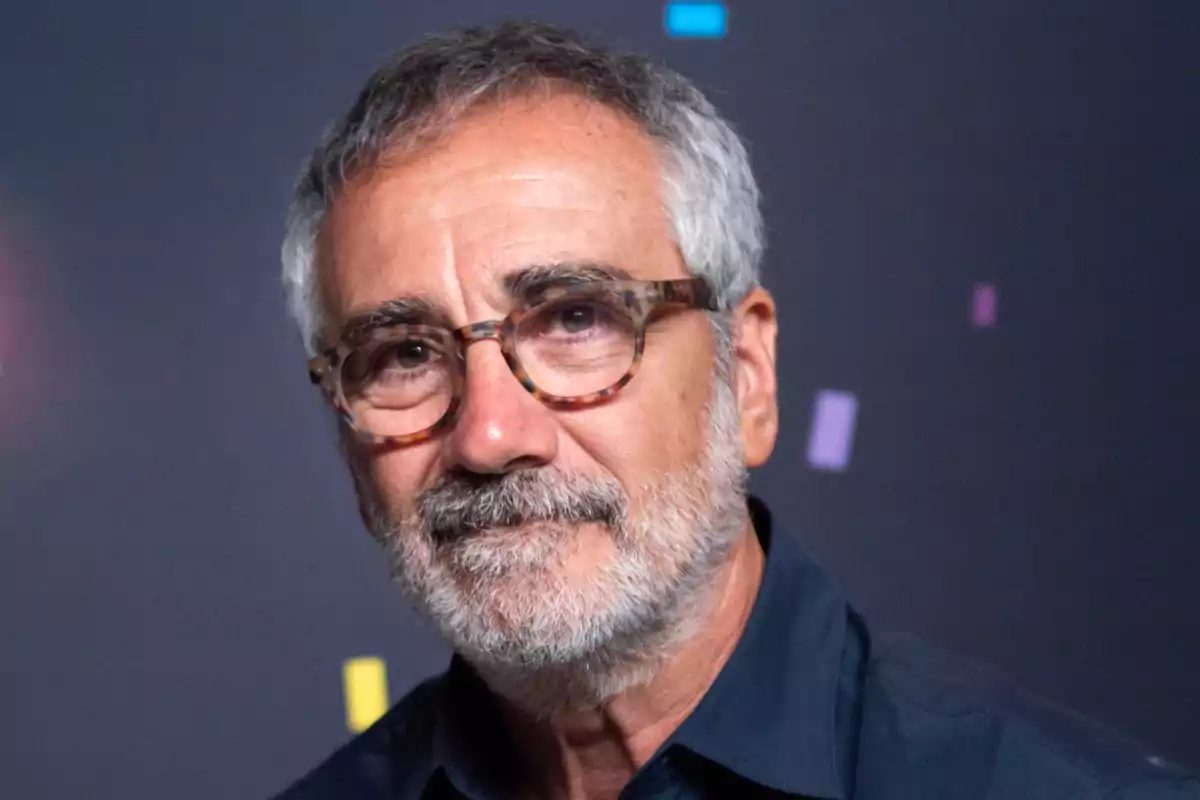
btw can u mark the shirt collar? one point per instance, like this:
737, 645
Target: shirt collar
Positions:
781, 682
469, 745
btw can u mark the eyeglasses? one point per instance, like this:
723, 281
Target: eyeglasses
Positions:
574, 346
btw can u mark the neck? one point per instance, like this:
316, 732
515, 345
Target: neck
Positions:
595, 751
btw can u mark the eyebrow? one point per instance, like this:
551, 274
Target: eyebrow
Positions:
527, 283
400, 311
524, 285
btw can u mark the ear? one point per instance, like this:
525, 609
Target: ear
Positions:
755, 330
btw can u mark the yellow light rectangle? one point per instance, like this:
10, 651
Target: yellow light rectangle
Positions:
364, 681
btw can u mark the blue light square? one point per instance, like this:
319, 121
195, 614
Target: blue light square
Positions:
695, 20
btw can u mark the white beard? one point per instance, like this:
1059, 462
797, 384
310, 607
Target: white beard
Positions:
542, 639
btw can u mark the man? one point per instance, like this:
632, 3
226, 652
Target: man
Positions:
527, 272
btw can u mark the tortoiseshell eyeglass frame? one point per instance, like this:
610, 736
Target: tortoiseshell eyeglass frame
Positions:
642, 298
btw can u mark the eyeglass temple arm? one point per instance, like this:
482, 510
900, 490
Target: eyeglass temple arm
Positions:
319, 367
692, 292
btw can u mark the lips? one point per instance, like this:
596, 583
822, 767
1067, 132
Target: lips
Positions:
498, 527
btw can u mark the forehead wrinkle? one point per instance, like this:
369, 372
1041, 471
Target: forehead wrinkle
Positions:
452, 281
535, 205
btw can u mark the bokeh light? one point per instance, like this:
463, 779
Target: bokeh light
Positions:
17, 319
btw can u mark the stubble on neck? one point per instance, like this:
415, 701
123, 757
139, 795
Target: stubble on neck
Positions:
594, 752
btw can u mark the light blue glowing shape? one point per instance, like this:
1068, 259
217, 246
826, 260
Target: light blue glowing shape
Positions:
695, 20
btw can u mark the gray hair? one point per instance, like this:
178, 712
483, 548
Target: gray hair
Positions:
709, 191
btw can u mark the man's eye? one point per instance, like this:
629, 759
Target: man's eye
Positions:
398, 360
406, 355
576, 318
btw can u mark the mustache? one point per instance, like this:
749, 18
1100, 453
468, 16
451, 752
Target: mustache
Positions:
462, 503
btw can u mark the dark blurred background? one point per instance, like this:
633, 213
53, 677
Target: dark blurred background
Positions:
984, 241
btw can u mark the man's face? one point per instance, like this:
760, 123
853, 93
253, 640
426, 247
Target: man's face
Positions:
531, 535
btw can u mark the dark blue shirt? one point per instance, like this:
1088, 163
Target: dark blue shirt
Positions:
809, 705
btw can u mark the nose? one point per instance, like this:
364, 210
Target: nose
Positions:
500, 427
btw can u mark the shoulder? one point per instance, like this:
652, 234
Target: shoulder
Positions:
973, 733
383, 760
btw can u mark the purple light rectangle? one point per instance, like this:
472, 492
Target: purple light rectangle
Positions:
831, 437
985, 306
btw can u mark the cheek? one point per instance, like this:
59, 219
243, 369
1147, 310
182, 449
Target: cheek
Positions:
397, 476
658, 423
643, 433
